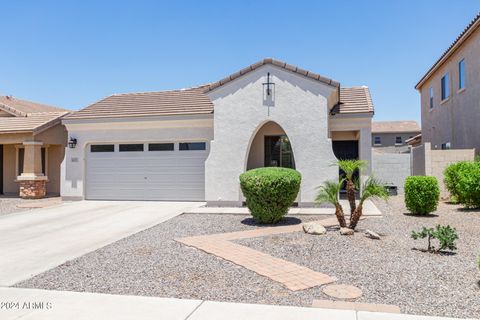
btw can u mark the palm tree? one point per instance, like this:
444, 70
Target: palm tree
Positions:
350, 167
370, 189
329, 194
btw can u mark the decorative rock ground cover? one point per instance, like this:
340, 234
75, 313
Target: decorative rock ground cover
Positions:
387, 271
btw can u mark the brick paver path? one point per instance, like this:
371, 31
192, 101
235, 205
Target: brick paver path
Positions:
291, 275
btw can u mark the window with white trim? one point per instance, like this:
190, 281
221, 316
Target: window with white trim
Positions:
430, 101
461, 74
377, 141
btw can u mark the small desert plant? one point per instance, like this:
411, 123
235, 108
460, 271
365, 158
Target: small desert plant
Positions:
329, 194
370, 189
350, 167
270, 192
445, 235
421, 194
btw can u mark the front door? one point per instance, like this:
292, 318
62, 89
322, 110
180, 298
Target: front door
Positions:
278, 152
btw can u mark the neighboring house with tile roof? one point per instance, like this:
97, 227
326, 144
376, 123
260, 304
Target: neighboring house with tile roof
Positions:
192, 144
450, 94
392, 136
32, 143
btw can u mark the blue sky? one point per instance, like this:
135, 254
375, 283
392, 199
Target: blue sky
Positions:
72, 53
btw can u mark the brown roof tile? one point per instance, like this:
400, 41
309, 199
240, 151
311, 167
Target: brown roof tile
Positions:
354, 100
33, 122
19, 107
196, 101
395, 126
472, 26
160, 103
277, 63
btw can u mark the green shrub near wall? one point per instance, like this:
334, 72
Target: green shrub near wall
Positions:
270, 192
462, 180
451, 178
421, 194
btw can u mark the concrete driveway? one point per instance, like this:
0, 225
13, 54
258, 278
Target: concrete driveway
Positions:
38, 240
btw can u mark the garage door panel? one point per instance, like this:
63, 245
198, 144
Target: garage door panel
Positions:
155, 175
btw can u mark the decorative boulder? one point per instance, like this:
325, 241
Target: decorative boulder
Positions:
346, 232
314, 228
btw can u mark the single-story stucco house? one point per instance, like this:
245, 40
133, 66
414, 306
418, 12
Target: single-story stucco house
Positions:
32, 147
192, 144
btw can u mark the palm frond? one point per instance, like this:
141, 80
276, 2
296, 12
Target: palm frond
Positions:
350, 166
329, 192
372, 188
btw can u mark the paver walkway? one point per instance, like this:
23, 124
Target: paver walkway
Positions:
291, 275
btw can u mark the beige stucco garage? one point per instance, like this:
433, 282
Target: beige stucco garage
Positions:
192, 144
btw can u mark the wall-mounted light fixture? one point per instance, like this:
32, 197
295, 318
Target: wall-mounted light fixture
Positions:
72, 143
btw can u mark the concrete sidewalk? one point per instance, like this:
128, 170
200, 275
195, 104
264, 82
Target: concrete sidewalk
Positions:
369, 209
52, 305
38, 240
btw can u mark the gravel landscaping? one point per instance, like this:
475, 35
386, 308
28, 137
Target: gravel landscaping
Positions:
388, 271
9, 205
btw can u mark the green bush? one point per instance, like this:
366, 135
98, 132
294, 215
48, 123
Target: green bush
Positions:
270, 192
467, 188
451, 178
421, 194
445, 235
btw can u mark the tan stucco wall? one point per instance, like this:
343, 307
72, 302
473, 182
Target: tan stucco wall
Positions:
434, 162
55, 158
256, 157
9, 174
54, 138
455, 120
344, 135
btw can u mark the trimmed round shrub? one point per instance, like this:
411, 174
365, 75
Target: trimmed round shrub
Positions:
421, 194
451, 178
270, 192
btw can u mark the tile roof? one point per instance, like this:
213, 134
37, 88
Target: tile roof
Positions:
277, 63
472, 26
160, 103
194, 101
354, 100
395, 126
19, 107
33, 122
27, 116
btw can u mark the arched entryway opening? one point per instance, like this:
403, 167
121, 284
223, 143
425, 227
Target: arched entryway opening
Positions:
270, 147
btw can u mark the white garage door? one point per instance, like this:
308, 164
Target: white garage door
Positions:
146, 171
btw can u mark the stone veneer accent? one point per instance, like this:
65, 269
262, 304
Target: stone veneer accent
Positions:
33, 189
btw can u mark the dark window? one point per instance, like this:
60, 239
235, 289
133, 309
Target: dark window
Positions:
44, 158
445, 86
192, 146
461, 74
102, 148
278, 152
21, 156
160, 147
431, 97
136, 147
398, 140
378, 141
446, 146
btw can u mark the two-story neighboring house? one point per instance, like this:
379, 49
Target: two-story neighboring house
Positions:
450, 94
392, 136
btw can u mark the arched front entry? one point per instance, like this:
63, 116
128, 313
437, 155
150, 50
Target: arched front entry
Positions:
270, 147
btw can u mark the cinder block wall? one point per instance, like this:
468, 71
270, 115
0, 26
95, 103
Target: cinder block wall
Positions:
391, 168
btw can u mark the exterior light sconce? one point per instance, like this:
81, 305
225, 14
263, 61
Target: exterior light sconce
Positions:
72, 143
269, 86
